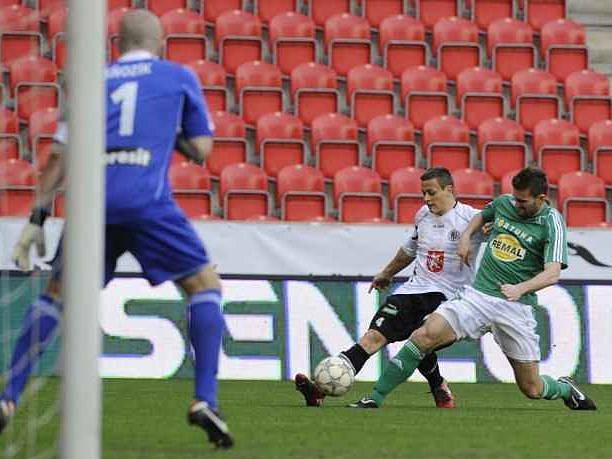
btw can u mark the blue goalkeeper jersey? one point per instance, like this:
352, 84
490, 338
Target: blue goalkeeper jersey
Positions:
148, 101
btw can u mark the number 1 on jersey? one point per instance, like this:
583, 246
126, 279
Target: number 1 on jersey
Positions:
126, 95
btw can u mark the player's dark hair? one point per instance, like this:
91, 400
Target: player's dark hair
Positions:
532, 179
441, 174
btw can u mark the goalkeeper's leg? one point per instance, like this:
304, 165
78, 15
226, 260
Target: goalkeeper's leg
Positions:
39, 328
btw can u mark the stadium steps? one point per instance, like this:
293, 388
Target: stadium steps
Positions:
596, 15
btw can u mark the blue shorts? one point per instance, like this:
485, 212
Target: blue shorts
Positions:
166, 246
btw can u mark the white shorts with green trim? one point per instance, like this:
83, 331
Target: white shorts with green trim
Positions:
472, 314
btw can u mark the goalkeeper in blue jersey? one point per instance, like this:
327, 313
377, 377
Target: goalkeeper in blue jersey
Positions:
147, 101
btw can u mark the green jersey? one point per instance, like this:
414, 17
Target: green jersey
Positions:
518, 248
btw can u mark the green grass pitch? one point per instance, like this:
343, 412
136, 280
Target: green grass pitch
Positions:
146, 419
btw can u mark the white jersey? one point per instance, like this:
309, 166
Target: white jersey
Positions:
433, 244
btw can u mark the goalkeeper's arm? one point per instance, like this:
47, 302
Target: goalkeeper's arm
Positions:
197, 149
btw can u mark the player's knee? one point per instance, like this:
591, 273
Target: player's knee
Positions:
424, 339
205, 279
372, 341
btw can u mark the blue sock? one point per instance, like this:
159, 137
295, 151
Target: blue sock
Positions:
206, 327
38, 331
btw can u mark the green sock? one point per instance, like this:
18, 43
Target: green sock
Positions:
397, 371
554, 389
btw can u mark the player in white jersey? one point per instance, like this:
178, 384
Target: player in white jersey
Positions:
438, 273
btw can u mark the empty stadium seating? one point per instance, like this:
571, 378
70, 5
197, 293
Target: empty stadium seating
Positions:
184, 36
446, 142
600, 150
484, 12
402, 43
238, 39
510, 46
431, 11
321, 10
259, 90
314, 91
17, 180
587, 95
335, 143
539, 12
473, 187
376, 11
301, 193
390, 141
191, 189
266, 10
479, 94
556, 146
502, 147
358, 195
370, 93
243, 190
424, 94
230, 146
534, 94
347, 38
279, 141
213, 79
292, 38
455, 43
563, 44
582, 199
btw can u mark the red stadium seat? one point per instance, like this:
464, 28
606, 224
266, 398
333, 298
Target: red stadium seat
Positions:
446, 142
430, 11
238, 37
243, 191
455, 43
314, 91
321, 10
9, 123
191, 189
556, 146
479, 94
301, 192
473, 187
112, 4
160, 7
506, 182
42, 122
358, 195
57, 21
292, 36
230, 146
18, 18
502, 147
268, 9
582, 199
279, 142
564, 47
424, 94
184, 36
510, 46
32, 80
259, 90
212, 9
534, 93
376, 11
405, 195
15, 45
17, 192
59, 51
10, 146
587, 94
347, 38
600, 150
335, 143
403, 45
484, 12
539, 12
212, 77
370, 93
391, 144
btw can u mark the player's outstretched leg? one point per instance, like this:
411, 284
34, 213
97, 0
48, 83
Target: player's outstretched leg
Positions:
442, 395
206, 326
209, 419
577, 399
38, 330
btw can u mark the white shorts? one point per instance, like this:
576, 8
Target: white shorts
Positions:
473, 313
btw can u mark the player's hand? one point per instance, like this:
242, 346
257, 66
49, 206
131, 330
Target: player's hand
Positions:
486, 228
512, 292
464, 250
30, 235
380, 282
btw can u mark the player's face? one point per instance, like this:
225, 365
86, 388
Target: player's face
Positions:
527, 205
437, 199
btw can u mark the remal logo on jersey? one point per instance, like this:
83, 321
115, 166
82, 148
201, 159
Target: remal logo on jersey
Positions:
507, 248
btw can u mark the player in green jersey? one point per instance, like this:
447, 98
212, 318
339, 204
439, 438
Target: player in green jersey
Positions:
525, 252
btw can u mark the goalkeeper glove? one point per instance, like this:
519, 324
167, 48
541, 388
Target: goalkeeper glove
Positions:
32, 234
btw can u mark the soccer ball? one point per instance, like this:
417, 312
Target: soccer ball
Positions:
334, 376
